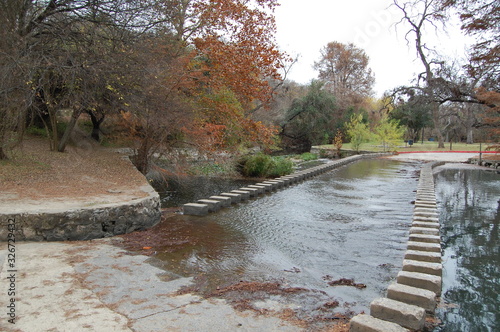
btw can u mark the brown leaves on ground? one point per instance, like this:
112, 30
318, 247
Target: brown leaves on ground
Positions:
343, 282
273, 288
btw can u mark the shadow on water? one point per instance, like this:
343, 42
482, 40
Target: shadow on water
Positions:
470, 218
348, 223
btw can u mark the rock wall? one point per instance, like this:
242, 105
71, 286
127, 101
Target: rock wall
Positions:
82, 223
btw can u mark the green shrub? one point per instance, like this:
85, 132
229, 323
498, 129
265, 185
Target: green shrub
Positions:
262, 165
307, 156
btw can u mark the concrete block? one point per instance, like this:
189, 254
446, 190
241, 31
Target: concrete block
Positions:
426, 224
426, 205
412, 295
195, 209
367, 323
253, 191
224, 200
235, 198
420, 280
423, 256
213, 205
425, 238
286, 181
424, 230
426, 214
423, 246
280, 183
424, 210
268, 186
260, 189
406, 315
419, 201
245, 195
435, 269
425, 219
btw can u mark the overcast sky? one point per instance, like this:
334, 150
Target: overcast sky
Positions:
304, 27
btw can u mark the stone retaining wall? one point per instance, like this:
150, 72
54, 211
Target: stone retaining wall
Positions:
84, 223
214, 203
418, 285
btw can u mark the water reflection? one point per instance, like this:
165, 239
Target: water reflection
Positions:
470, 217
349, 223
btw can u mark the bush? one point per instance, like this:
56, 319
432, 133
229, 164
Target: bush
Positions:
307, 156
262, 165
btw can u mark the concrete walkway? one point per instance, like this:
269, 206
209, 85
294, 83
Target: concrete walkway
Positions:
95, 286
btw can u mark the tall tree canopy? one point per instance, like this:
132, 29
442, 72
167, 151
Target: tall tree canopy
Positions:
212, 60
344, 68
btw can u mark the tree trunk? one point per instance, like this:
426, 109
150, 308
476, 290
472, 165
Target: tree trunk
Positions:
437, 128
3, 155
141, 160
96, 125
69, 129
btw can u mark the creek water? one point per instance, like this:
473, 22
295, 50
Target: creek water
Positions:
469, 204
350, 223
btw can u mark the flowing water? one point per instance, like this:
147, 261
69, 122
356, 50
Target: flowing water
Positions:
351, 223
470, 217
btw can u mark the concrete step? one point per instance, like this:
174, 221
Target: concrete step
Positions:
367, 323
424, 230
423, 246
245, 195
425, 238
235, 198
423, 256
213, 205
260, 189
423, 267
406, 315
412, 295
253, 191
195, 209
420, 280
427, 224
224, 200
426, 219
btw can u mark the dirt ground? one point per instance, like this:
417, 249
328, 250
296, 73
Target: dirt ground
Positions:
34, 172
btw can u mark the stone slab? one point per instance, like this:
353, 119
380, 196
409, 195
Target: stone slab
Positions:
420, 280
423, 246
213, 205
425, 219
260, 189
412, 295
235, 198
268, 186
423, 267
423, 256
253, 191
426, 224
195, 209
367, 323
425, 238
224, 200
406, 315
424, 230
245, 195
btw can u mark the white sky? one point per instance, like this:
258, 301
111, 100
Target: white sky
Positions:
304, 27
